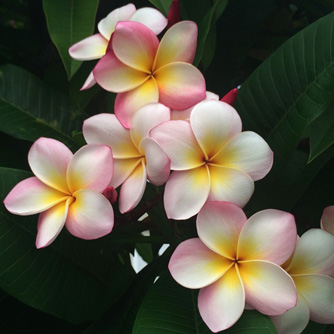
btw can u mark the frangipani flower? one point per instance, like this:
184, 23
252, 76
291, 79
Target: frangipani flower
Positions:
236, 260
311, 266
66, 190
136, 156
142, 71
327, 219
211, 158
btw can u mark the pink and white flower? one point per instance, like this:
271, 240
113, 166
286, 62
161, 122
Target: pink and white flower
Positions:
211, 159
236, 260
66, 190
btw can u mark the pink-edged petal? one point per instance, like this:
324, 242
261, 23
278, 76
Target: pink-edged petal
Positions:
269, 288
318, 291
126, 104
177, 45
181, 85
248, 152
195, 266
93, 47
48, 159
222, 303
157, 162
230, 97
107, 25
107, 130
51, 222
327, 219
219, 225
32, 196
151, 18
90, 168
178, 141
230, 185
91, 216
90, 82
174, 14
135, 45
114, 76
214, 123
269, 235
122, 170
186, 192
133, 188
314, 254
146, 118
293, 321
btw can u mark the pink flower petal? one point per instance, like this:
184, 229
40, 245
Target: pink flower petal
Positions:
195, 266
268, 287
51, 222
135, 45
48, 159
91, 216
327, 219
181, 85
219, 225
222, 303
90, 168
122, 170
90, 82
93, 47
32, 196
269, 235
174, 14
178, 44
186, 192
230, 97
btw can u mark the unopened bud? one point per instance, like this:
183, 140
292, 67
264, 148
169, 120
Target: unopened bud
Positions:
111, 194
230, 97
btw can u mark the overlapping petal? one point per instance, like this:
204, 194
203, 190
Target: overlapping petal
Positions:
90, 82
122, 170
327, 219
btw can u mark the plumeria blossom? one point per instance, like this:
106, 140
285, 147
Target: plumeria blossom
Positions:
327, 219
236, 260
94, 47
66, 190
211, 159
311, 266
136, 156
142, 71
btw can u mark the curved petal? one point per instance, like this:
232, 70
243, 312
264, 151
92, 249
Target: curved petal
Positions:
51, 222
222, 303
181, 85
93, 47
269, 288
248, 152
178, 141
146, 118
48, 159
126, 104
219, 225
174, 14
186, 192
135, 45
133, 189
293, 321
90, 82
195, 266
314, 254
122, 170
91, 216
157, 162
214, 123
318, 291
178, 44
107, 130
327, 219
32, 196
90, 168
107, 25
114, 76
230, 185
151, 18
269, 235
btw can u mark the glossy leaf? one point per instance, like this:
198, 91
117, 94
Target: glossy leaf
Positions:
162, 5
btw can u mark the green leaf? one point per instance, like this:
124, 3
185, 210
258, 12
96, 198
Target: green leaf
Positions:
69, 21
30, 109
171, 308
72, 278
162, 5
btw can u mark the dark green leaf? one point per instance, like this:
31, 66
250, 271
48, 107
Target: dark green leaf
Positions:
162, 5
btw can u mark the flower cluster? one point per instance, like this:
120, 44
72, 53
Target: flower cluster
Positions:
167, 129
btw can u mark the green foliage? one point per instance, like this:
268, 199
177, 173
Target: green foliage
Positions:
162, 5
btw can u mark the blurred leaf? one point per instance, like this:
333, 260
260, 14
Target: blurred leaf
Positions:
72, 278
162, 5
30, 109
318, 328
145, 251
69, 21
